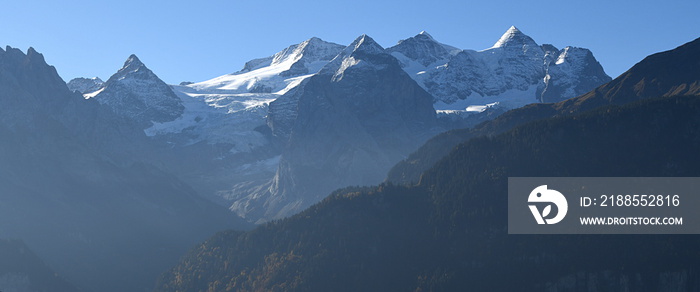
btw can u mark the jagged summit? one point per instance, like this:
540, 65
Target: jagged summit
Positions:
31, 52
421, 48
134, 68
31, 72
271, 76
32, 55
132, 61
137, 93
313, 48
13, 53
425, 34
363, 53
365, 44
301, 55
513, 37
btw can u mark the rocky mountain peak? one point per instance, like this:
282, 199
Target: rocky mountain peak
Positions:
422, 48
513, 37
302, 56
425, 34
133, 62
362, 54
366, 45
137, 93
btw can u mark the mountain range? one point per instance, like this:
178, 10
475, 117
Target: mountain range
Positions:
448, 231
110, 182
514, 72
257, 145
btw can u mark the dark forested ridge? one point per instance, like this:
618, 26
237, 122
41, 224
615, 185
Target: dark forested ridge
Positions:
674, 72
449, 233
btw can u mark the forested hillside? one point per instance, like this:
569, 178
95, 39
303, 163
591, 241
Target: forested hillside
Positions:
449, 232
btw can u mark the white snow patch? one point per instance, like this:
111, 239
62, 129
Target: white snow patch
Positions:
93, 94
217, 118
562, 56
481, 108
476, 102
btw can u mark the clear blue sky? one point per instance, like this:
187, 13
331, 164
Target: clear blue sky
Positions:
198, 40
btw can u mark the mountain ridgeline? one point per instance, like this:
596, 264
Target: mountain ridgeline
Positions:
449, 231
515, 71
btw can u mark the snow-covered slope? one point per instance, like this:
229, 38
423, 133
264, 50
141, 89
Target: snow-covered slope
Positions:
229, 108
514, 72
275, 74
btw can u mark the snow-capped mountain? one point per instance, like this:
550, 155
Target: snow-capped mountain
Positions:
349, 124
85, 85
514, 72
229, 109
424, 49
275, 74
137, 93
574, 71
305, 58
421, 52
